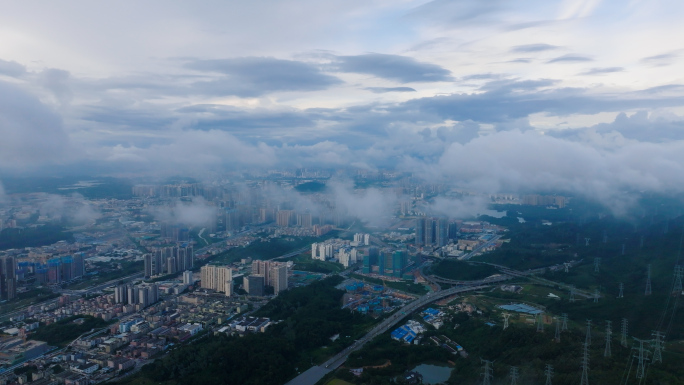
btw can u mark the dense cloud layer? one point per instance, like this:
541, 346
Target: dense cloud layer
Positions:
494, 96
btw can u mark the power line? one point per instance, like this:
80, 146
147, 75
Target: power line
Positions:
597, 264
622, 290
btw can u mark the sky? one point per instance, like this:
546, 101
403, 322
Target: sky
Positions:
575, 95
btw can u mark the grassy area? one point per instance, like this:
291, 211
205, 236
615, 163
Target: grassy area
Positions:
64, 331
304, 262
459, 270
406, 286
268, 250
128, 268
26, 299
337, 381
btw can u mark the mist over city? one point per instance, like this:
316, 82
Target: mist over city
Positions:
341, 193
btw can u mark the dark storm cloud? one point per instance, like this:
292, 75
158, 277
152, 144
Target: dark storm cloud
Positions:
255, 76
393, 67
602, 71
533, 48
382, 90
11, 68
570, 58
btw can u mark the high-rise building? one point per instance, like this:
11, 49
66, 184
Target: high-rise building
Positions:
278, 278
399, 262
148, 265
78, 265
441, 231
262, 268
187, 278
254, 285
8, 284
215, 277
284, 218
54, 271
121, 294
420, 232
65, 267
229, 288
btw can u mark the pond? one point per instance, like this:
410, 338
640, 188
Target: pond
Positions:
433, 374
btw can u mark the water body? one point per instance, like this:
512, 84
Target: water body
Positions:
433, 374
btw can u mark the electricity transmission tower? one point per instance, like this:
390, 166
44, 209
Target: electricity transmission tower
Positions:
487, 372
678, 279
648, 280
513, 374
585, 365
587, 339
506, 317
643, 357
623, 339
609, 333
564, 326
549, 374
658, 346
557, 336
586, 241
622, 290
596, 295
597, 264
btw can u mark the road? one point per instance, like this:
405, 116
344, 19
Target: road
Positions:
315, 373
477, 249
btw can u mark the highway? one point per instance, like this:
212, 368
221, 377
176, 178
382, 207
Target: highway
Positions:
315, 373
477, 249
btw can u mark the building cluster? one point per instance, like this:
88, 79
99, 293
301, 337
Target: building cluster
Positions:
169, 260
140, 296
387, 262
433, 317
408, 332
544, 200
432, 232
343, 251
217, 278
373, 299
266, 273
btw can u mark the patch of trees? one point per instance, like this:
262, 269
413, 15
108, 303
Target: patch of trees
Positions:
308, 317
13, 238
66, 330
